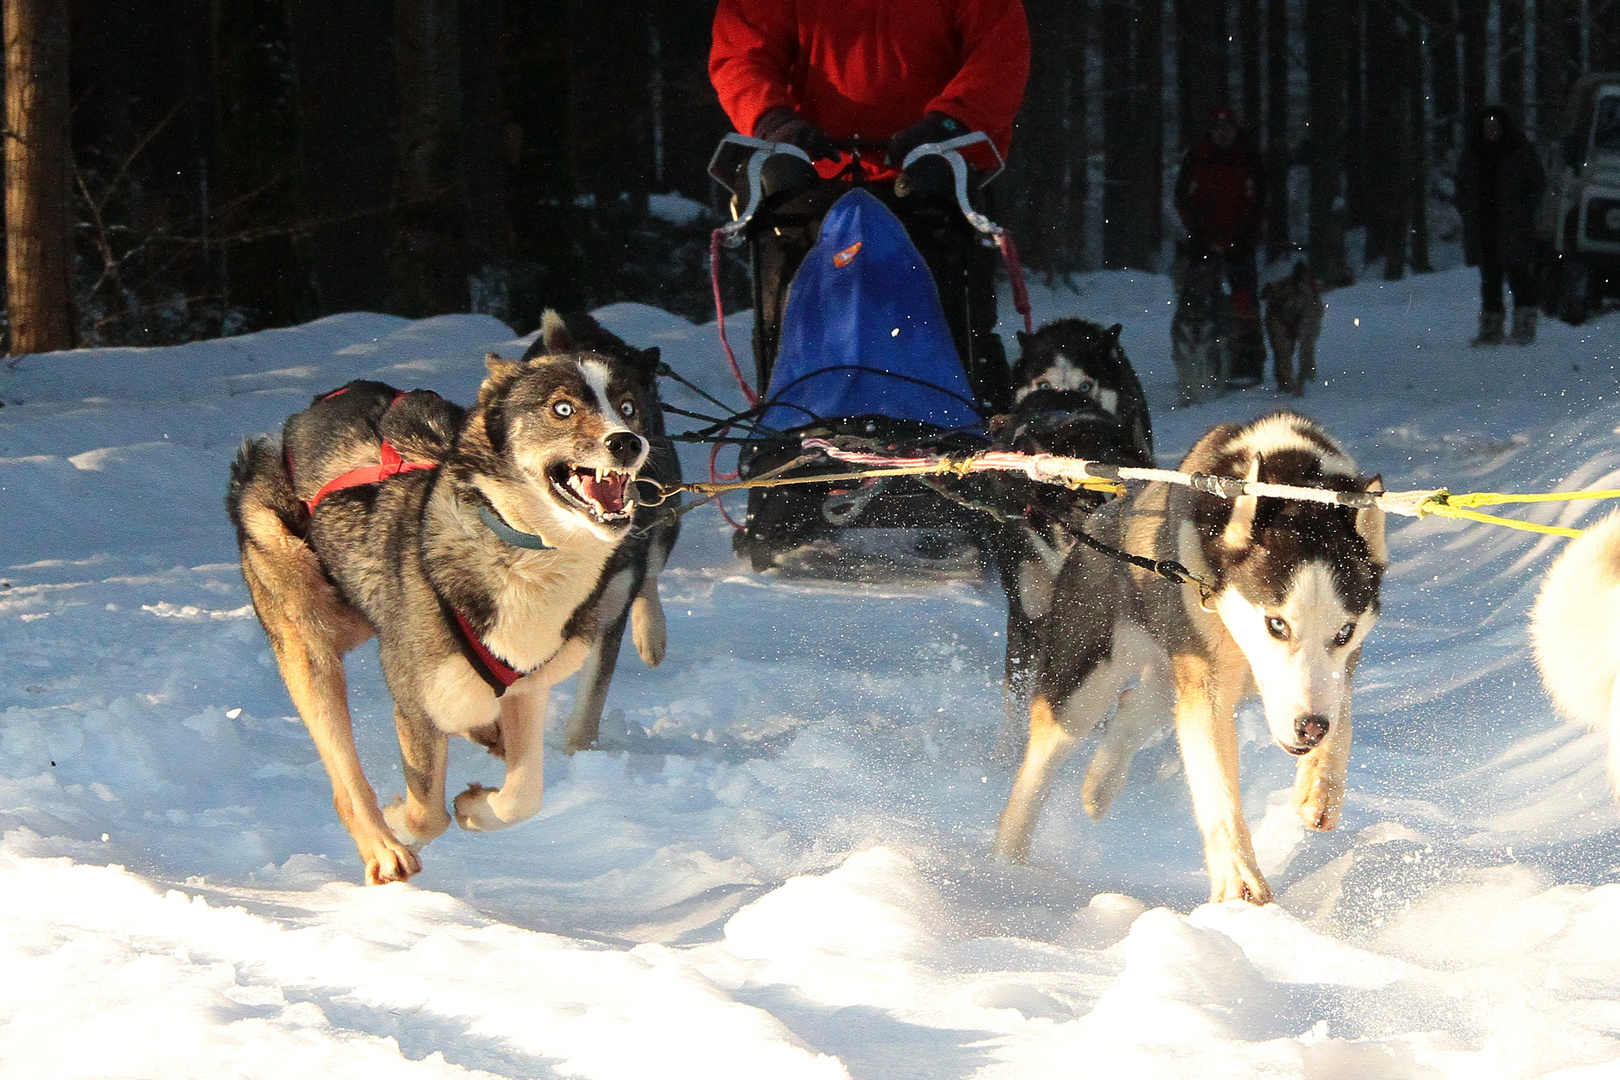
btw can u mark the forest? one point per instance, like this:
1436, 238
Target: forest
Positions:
240, 164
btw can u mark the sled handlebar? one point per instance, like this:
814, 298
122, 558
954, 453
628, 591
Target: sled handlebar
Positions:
951, 151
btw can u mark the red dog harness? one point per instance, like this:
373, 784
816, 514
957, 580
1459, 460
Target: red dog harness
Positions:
495, 672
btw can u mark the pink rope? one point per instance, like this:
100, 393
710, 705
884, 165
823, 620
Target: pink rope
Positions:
720, 315
1015, 274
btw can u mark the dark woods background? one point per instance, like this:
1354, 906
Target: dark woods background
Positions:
250, 163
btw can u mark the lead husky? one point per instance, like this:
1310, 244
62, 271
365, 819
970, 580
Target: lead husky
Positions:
1293, 594
475, 552
1575, 629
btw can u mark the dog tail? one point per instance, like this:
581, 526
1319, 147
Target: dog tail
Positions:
1573, 627
260, 496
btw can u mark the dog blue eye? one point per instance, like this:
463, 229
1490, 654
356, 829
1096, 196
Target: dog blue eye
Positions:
563, 409
627, 409
1087, 386
1342, 638
1277, 627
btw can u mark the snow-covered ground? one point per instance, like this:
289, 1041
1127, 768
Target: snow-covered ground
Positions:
777, 866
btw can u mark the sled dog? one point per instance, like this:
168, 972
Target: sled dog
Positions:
1294, 310
1575, 629
473, 544
630, 594
1293, 593
1200, 334
1074, 393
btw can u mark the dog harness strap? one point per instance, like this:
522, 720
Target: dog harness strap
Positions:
515, 537
491, 668
391, 465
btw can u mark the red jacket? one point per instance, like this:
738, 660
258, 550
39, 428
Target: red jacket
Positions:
1221, 194
869, 68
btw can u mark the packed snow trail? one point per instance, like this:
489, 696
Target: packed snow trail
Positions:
777, 864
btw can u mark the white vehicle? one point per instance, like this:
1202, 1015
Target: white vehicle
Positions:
1578, 226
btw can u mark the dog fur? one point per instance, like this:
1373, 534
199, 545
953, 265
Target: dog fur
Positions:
1294, 308
1200, 330
1075, 393
1294, 592
549, 448
1575, 632
631, 590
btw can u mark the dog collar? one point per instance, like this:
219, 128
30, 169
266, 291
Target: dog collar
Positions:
515, 537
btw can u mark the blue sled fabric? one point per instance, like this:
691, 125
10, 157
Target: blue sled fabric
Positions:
864, 333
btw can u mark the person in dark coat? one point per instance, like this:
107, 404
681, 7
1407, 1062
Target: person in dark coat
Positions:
1221, 197
1499, 186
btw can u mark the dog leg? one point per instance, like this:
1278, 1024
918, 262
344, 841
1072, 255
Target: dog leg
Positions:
1050, 744
648, 630
1319, 779
420, 816
523, 723
1307, 360
591, 689
1282, 353
1143, 710
1209, 751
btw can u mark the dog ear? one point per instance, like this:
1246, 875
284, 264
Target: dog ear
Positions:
1113, 331
1024, 339
1370, 524
498, 367
554, 332
1240, 527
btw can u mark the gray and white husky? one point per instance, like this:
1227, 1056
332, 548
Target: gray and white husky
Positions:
474, 544
1293, 594
1575, 629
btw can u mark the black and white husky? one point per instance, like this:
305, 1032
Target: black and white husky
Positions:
1575, 629
1293, 594
1076, 394
474, 544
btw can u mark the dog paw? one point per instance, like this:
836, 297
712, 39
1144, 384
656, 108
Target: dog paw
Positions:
1238, 882
387, 859
648, 630
473, 811
414, 835
1105, 779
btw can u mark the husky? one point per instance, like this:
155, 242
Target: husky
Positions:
631, 592
1076, 394
476, 552
1292, 594
1200, 330
1294, 310
1575, 631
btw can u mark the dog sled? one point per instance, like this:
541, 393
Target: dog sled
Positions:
873, 333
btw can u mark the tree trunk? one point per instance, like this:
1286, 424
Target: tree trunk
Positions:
1132, 39
1201, 58
1278, 241
39, 169
1326, 28
427, 263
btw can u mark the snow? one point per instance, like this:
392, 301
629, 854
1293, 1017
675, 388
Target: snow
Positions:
778, 864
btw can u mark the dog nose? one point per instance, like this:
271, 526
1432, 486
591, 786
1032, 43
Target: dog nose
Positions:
625, 446
1312, 729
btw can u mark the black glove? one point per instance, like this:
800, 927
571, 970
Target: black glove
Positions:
935, 127
783, 125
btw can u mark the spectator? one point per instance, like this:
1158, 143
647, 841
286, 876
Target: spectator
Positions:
893, 74
1499, 187
1221, 197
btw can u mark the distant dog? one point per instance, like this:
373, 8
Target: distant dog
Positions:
1076, 394
1575, 629
474, 544
1293, 594
1200, 330
1294, 310
631, 592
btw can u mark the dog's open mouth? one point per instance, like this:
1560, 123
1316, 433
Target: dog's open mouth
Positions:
1297, 751
600, 493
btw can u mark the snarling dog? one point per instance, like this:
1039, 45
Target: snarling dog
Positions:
1575, 629
1294, 308
630, 594
1200, 329
1292, 594
472, 543
1076, 394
